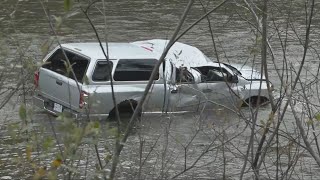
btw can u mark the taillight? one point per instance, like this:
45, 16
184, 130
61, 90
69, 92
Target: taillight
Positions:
36, 79
83, 96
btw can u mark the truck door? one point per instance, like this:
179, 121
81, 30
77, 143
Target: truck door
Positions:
217, 86
57, 83
184, 93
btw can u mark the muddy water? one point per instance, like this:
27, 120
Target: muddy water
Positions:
166, 149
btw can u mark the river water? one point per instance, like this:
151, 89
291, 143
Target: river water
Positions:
214, 143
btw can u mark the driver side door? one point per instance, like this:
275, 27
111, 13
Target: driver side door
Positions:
217, 86
184, 94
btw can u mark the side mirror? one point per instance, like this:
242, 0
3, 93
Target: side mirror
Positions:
175, 89
233, 79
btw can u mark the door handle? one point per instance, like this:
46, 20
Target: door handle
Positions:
59, 82
207, 90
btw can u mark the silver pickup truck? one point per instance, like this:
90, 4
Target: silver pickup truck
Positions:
75, 79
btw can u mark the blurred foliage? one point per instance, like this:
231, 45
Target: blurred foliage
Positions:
23, 112
68, 4
49, 155
317, 116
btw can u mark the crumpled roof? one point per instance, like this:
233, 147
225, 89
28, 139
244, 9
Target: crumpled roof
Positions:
182, 54
179, 53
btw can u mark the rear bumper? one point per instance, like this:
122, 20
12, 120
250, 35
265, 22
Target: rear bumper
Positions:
41, 102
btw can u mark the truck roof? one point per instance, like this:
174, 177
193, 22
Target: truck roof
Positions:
116, 50
180, 53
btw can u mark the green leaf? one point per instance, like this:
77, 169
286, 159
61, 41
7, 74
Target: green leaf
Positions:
67, 5
56, 162
309, 122
96, 125
28, 152
23, 112
48, 143
108, 158
317, 116
113, 131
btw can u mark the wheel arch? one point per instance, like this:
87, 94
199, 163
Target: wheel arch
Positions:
125, 106
255, 100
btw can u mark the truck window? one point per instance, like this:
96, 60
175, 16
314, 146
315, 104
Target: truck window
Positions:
135, 70
183, 76
209, 74
102, 71
216, 75
58, 63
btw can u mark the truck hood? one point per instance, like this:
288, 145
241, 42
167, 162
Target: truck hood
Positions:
246, 71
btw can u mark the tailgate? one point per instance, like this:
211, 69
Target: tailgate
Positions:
59, 88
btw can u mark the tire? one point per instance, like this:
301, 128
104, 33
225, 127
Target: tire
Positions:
255, 101
126, 109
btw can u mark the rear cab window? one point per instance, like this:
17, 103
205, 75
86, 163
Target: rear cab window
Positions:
135, 70
58, 63
102, 71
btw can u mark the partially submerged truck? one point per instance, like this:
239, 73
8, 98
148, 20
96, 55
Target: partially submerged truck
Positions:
75, 78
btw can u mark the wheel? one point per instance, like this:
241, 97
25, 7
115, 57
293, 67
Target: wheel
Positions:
126, 109
255, 101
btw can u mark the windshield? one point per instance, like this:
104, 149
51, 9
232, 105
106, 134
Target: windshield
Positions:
233, 69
